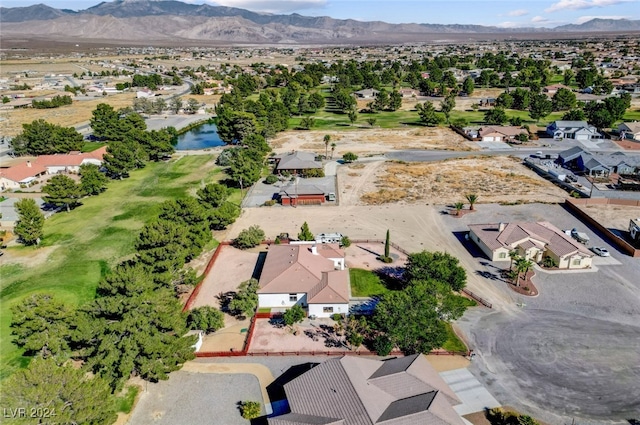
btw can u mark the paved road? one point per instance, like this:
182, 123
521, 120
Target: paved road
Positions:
571, 352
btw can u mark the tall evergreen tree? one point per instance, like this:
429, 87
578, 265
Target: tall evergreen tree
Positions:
29, 226
65, 392
305, 234
62, 191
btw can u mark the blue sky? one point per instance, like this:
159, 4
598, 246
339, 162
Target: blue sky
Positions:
503, 13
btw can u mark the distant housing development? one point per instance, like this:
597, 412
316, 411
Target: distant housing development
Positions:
312, 276
533, 241
358, 391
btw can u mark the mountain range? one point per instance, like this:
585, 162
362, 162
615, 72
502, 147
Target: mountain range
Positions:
174, 21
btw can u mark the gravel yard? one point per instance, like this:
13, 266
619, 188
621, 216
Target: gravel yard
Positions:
195, 398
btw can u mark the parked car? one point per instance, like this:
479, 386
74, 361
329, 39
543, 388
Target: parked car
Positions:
602, 252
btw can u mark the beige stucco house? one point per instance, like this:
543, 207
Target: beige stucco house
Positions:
533, 241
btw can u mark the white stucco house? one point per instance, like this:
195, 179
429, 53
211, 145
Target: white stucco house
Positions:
310, 275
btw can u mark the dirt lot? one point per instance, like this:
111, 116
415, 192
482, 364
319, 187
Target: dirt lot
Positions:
494, 179
612, 216
371, 141
67, 116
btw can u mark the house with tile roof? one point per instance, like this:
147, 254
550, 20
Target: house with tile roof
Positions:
359, 391
25, 173
307, 274
533, 241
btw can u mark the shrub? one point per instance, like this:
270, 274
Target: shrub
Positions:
271, 179
349, 157
313, 172
337, 317
269, 203
248, 238
382, 345
385, 259
207, 319
250, 409
345, 242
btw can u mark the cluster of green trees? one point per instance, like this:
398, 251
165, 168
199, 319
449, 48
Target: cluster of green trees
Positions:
43, 138
413, 318
63, 191
386, 101
130, 144
55, 102
135, 325
151, 81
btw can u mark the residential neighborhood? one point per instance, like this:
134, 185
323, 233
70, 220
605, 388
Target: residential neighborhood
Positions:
308, 214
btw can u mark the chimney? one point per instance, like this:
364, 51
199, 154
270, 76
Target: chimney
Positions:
29, 164
501, 227
314, 250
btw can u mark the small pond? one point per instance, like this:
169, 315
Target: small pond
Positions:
201, 137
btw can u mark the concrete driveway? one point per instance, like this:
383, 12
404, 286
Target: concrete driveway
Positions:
571, 352
474, 396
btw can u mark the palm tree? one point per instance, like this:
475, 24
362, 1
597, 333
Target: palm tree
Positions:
333, 149
513, 255
458, 206
522, 266
472, 198
327, 139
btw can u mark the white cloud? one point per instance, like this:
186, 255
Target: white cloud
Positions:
583, 4
272, 6
539, 19
519, 12
509, 24
583, 19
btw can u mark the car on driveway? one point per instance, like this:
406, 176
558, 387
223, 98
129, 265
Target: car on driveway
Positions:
602, 252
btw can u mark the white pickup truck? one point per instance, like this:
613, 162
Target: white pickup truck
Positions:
579, 236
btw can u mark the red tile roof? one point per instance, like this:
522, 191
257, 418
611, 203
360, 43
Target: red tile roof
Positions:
39, 165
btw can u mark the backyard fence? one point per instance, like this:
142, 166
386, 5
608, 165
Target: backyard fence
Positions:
196, 290
624, 246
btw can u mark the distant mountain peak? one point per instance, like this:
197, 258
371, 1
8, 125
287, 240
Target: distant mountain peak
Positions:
148, 20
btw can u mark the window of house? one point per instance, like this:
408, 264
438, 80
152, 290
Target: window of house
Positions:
502, 255
576, 262
293, 297
327, 309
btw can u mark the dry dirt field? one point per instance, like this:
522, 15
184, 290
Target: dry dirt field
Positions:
612, 216
371, 141
67, 116
493, 179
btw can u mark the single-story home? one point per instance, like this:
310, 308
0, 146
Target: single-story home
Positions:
602, 163
24, 173
553, 88
500, 133
353, 390
308, 274
533, 241
629, 130
301, 194
366, 93
295, 162
579, 130
409, 92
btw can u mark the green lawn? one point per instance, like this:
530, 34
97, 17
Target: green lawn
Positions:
365, 283
453, 343
92, 146
325, 120
81, 246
